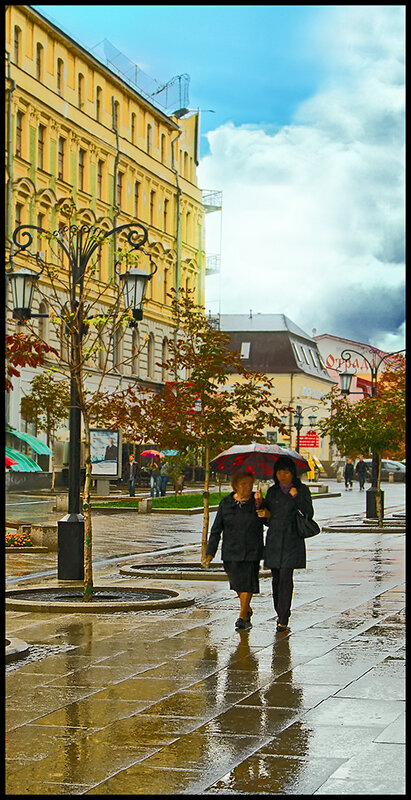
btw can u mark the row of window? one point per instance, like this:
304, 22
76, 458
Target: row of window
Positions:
186, 161
158, 216
305, 356
140, 363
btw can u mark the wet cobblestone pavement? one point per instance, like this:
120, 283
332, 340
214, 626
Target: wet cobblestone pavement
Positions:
178, 702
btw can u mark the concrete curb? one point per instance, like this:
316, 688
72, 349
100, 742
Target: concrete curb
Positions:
10, 550
202, 574
176, 599
15, 648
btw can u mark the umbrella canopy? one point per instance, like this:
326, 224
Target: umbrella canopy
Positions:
258, 459
152, 454
10, 461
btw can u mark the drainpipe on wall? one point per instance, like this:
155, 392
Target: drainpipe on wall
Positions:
9, 242
178, 228
290, 419
10, 90
116, 163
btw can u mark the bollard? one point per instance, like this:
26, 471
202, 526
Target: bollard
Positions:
144, 505
390, 477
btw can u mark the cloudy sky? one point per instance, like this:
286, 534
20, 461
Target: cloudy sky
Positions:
305, 141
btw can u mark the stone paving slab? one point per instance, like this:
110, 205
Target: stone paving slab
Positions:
177, 702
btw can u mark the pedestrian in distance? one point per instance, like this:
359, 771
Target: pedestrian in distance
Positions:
284, 548
348, 474
155, 477
164, 476
242, 543
131, 475
361, 471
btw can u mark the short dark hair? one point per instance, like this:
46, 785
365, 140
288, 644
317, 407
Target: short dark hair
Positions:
240, 473
285, 462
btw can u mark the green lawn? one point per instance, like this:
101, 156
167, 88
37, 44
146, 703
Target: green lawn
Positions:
183, 501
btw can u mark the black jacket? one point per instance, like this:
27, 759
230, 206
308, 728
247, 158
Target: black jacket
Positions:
241, 528
284, 547
349, 472
361, 468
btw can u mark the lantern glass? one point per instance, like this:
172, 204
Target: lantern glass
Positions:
22, 285
345, 381
283, 419
134, 288
297, 421
312, 420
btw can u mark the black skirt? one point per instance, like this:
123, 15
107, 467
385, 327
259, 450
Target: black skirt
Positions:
243, 575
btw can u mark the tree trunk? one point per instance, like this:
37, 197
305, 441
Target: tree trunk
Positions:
206, 497
88, 538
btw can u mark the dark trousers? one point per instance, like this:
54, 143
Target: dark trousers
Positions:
132, 488
283, 587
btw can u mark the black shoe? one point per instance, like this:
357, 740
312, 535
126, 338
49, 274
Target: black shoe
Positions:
242, 624
282, 628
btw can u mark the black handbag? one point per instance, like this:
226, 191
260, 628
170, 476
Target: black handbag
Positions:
306, 527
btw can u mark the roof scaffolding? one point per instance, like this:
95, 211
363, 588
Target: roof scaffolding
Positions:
171, 95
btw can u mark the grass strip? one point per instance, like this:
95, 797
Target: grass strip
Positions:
169, 501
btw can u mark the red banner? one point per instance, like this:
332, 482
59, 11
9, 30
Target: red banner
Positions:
311, 439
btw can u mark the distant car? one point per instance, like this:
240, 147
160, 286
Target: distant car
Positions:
396, 467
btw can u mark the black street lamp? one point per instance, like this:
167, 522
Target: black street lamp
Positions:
345, 388
78, 242
298, 421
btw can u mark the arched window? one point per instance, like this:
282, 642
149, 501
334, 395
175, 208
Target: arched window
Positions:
19, 133
17, 45
165, 215
133, 129
118, 349
135, 347
43, 322
186, 165
60, 75
80, 90
150, 356
149, 138
64, 344
164, 357
98, 104
163, 148
188, 227
39, 61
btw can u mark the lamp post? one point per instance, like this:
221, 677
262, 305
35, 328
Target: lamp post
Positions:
78, 242
345, 388
298, 421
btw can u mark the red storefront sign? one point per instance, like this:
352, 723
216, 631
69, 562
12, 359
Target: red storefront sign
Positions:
311, 439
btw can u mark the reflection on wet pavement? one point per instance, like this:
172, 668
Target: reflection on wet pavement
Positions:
179, 702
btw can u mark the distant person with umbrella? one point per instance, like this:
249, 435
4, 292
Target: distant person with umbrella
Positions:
242, 542
284, 548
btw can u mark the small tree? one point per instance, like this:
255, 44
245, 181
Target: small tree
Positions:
373, 424
202, 409
47, 406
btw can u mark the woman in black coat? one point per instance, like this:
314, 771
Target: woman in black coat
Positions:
242, 545
284, 548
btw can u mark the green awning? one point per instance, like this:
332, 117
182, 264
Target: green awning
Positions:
24, 463
38, 447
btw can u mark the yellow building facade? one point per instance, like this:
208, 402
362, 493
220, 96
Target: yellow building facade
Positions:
77, 131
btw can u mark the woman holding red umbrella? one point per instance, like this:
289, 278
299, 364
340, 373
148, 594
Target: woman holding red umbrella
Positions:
242, 545
284, 548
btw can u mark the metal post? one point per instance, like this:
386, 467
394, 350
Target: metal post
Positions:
371, 493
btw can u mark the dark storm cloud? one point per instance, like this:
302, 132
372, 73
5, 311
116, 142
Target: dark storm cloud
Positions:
364, 314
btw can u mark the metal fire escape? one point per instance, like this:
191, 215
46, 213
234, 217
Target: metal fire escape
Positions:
213, 201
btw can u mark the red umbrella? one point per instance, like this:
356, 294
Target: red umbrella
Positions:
10, 461
258, 459
152, 454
